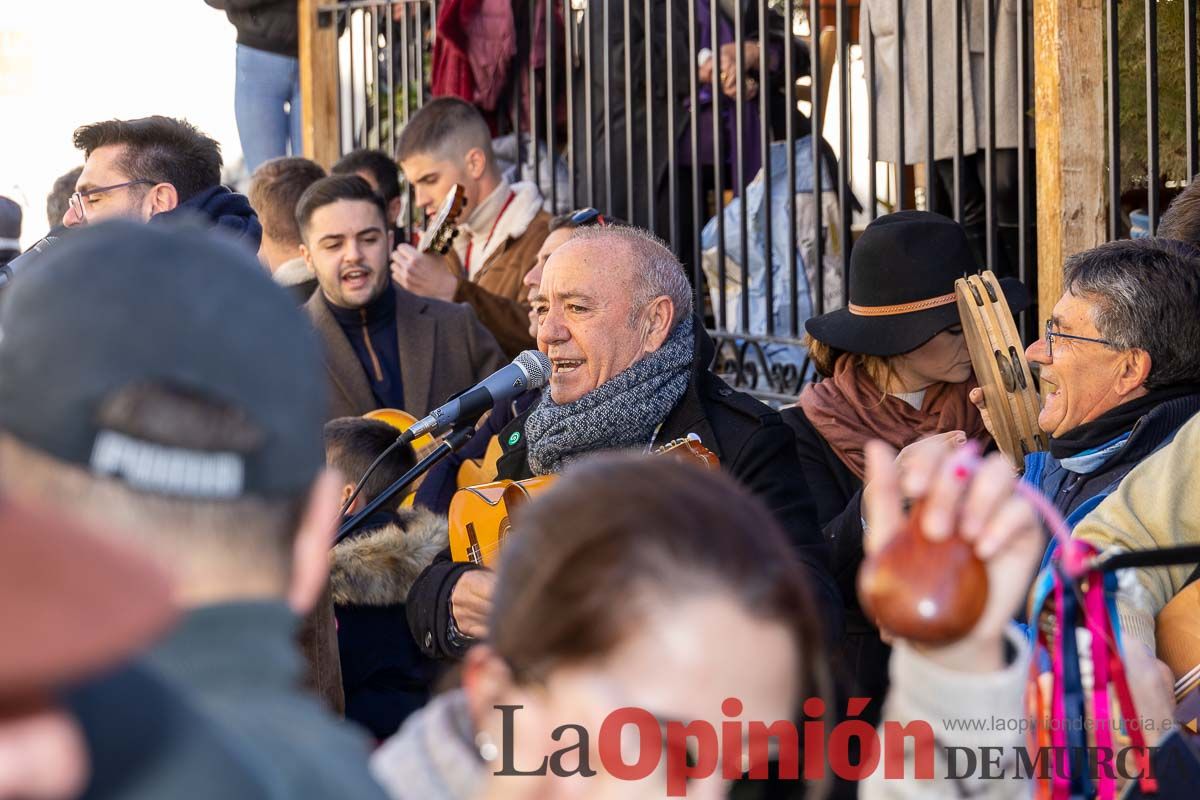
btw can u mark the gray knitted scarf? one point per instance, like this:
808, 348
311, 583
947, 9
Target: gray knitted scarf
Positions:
623, 412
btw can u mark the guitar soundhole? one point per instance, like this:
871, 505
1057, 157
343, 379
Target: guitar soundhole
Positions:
1004, 367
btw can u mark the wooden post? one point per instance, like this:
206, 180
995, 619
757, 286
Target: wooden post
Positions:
318, 81
1069, 107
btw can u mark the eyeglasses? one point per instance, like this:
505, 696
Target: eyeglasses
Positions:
76, 201
1051, 336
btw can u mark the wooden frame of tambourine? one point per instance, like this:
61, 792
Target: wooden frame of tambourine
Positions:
1000, 366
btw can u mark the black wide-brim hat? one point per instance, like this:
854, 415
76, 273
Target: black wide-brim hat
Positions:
902, 273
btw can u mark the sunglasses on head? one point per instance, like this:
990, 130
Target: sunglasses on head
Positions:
586, 216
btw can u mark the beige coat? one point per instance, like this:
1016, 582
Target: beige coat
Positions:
1157, 505
879, 18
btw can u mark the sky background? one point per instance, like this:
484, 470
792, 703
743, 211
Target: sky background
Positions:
65, 63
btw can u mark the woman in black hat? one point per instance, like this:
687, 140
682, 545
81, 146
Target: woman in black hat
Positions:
895, 367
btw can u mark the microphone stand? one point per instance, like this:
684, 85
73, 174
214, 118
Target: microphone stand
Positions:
454, 442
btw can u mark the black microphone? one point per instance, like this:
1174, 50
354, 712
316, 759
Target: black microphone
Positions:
529, 370
24, 260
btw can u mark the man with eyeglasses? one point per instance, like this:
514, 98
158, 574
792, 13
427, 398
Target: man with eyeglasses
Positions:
156, 168
1121, 352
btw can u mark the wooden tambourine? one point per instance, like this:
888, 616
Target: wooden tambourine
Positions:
1000, 366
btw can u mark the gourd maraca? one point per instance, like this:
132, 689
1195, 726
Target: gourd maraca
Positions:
922, 590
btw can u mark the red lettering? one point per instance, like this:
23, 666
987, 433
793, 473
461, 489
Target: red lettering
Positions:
731, 740
704, 758
649, 742
814, 739
839, 744
894, 735
783, 731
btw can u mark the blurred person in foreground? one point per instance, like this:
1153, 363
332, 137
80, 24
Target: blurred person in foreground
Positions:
982, 677
629, 370
156, 168
275, 189
200, 448
73, 610
668, 575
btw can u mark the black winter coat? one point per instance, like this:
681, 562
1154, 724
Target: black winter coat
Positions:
384, 674
752, 444
269, 25
838, 495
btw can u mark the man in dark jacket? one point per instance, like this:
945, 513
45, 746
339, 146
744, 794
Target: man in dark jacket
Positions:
629, 363
1122, 351
384, 674
267, 93
385, 347
190, 432
156, 168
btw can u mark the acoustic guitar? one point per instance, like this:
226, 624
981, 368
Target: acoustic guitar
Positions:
1000, 366
440, 233
479, 515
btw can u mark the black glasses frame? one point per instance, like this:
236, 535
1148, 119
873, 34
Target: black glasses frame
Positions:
1051, 335
76, 201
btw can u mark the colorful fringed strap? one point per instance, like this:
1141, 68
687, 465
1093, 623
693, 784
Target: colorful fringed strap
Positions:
1082, 599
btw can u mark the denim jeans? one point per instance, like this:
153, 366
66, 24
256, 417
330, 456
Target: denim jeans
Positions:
267, 105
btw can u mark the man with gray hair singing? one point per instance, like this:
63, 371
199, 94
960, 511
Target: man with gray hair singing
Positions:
629, 371
1121, 350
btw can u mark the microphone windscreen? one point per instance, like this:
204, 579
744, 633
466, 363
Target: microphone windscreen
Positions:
537, 365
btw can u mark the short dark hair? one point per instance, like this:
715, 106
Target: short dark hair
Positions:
446, 126
353, 443
382, 168
275, 190
1182, 218
331, 189
60, 196
160, 149
1146, 293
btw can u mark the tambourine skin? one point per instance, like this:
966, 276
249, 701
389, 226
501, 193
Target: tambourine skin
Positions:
1000, 366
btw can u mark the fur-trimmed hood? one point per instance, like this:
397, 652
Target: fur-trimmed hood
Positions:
377, 568
293, 272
